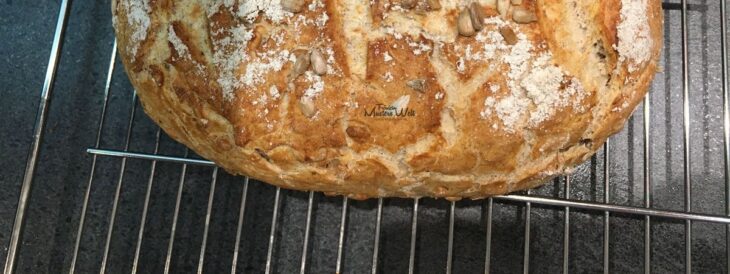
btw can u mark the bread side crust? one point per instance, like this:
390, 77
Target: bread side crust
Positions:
187, 104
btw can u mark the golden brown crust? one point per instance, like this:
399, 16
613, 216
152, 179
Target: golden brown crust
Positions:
481, 116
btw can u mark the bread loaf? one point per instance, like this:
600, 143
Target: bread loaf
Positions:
406, 98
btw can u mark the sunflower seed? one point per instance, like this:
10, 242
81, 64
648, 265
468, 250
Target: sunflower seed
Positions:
523, 16
434, 4
319, 66
417, 85
306, 105
300, 66
293, 6
503, 7
477, 16
357, 132
509, 35
408, 4
464, 23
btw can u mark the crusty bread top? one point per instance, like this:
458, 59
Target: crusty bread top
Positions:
398, 102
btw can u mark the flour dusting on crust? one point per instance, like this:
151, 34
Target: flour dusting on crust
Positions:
546, 85
229, 54
138, 17
634, 37
537, 86
271, 9
178, 44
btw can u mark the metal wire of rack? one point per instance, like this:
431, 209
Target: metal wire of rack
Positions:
565, 204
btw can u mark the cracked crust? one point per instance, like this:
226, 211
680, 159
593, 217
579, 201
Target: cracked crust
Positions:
181, 56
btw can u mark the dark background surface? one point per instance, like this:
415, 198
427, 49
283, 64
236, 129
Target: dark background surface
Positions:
64, 168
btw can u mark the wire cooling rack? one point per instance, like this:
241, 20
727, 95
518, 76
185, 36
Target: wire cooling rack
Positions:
646, 168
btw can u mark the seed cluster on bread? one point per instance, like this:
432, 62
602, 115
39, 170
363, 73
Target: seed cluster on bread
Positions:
406, 98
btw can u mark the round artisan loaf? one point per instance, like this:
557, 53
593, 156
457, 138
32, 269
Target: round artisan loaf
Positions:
408, 98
